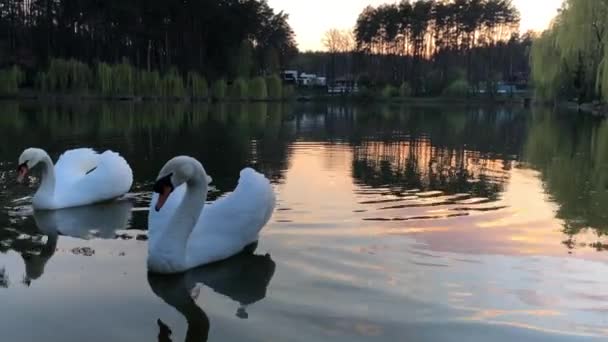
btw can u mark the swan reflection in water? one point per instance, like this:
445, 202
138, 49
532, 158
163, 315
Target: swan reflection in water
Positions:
95, 221
243, 278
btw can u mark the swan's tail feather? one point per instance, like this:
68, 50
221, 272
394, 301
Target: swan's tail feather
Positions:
257, 182
249, 176
117, 167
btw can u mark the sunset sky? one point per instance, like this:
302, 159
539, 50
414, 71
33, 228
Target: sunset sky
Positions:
310, 19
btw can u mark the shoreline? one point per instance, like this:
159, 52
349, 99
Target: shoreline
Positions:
345, 99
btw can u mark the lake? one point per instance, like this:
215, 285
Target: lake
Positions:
392, 224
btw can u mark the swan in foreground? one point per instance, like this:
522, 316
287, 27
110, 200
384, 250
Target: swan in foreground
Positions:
181, 235
80, 177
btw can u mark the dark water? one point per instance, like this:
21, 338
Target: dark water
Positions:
392, 224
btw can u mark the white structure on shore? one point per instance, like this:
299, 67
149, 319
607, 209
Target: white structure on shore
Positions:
303, 79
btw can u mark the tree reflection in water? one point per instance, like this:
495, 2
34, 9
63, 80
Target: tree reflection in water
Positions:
571, 153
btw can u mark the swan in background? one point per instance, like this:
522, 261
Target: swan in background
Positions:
80, 177
182, 235
243, 278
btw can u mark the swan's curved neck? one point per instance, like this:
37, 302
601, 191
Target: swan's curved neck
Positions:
47, 184
172, 242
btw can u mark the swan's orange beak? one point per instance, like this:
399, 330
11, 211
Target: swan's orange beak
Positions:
22, 172
162, 197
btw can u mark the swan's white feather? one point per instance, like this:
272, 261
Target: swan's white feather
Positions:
83, 177
75, 163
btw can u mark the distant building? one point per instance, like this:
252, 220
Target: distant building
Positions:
303, 79
290, 76
311, 80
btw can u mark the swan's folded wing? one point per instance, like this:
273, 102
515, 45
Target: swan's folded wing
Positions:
110, 178
73, 165
241, 214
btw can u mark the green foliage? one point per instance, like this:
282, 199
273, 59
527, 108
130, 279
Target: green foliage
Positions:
68, 75
242, 62
570, 59
173, 84
41, 81
271, 61
548, 72
148, 83
389, 92
405, 90
257, 89
274, 85
18, 75
104, 79
123, 79
218, 90
289, 92
58, 74
366, 94
458, 88
10, 80
197, 85
456, 74
433, 83
238, 90
79, 76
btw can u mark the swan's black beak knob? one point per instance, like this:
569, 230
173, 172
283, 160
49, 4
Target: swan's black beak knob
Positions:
163, 187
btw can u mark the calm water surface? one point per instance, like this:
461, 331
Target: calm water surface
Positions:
392, 224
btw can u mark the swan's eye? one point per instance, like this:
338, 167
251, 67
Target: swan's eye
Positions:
161, 184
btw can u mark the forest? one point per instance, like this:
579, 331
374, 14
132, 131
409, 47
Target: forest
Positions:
431, 47
237, 48
569, 60
98, 43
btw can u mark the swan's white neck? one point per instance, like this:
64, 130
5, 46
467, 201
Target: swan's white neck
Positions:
47, 183
169, 252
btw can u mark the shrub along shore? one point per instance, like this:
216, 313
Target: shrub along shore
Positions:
71, 78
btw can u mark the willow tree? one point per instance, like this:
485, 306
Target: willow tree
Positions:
548, 68
570, 58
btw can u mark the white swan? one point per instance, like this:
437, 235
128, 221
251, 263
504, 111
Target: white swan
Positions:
80, 177
181, 235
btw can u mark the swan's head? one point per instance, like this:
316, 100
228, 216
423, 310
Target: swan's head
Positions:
176, 172
27, 160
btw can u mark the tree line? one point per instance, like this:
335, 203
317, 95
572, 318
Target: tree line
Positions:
431, 45
569, 60
223, 38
